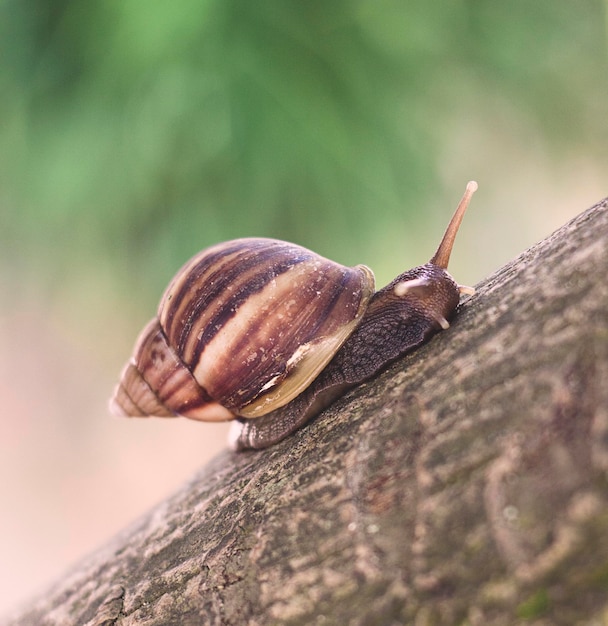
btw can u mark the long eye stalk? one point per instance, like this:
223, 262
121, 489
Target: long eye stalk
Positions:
441, 258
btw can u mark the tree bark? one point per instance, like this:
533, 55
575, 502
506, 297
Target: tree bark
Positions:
467, 484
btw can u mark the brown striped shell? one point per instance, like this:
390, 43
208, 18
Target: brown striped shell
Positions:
242, 329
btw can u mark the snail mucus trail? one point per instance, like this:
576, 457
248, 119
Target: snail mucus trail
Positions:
267, 334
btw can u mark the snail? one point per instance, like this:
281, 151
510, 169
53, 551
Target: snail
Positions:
267, 333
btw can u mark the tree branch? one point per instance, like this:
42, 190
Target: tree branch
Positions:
468, 483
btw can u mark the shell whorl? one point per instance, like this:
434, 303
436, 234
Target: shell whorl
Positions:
156, 382
242, 328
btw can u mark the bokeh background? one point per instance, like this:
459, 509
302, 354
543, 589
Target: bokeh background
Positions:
133, 134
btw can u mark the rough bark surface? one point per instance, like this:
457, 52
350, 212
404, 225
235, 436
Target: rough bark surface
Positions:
465, 485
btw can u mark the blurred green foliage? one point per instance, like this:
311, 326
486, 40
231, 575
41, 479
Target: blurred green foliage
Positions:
135, 133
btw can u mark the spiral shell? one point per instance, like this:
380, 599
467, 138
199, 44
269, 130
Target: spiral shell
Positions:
242, 329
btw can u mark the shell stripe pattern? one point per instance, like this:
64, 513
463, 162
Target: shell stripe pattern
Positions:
287, 299
242, 329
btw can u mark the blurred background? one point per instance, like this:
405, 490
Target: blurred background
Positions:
133, 134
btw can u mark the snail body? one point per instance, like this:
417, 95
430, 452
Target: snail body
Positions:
267, 333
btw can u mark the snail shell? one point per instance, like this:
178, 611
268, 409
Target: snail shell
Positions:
241, 330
